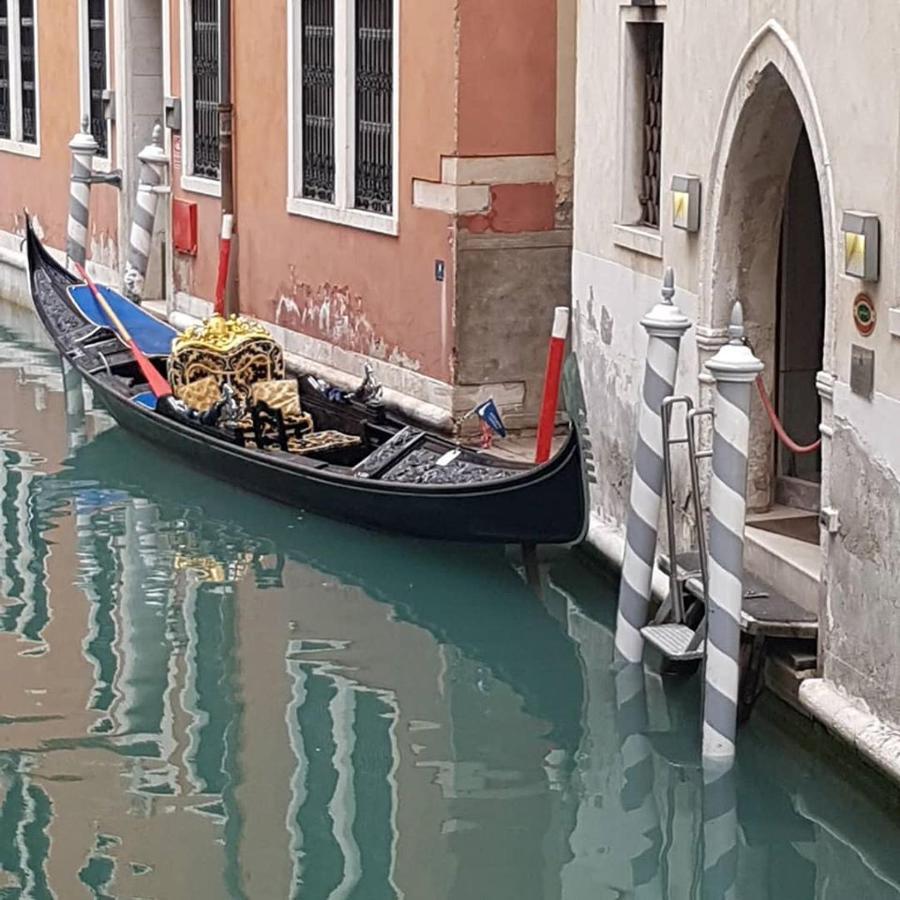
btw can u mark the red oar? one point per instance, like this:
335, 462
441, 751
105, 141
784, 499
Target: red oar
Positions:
158, 384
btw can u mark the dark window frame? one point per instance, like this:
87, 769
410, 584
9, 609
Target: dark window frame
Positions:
204, 75
97, 73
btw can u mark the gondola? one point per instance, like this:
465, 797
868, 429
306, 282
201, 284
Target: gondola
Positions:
393, 476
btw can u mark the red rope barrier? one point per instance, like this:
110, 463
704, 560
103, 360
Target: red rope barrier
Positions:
776, 424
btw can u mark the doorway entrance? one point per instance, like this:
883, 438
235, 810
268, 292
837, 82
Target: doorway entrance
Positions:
799, 332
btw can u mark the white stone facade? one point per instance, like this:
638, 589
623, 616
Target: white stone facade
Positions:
741, 83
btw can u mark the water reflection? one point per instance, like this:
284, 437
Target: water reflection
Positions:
209, 695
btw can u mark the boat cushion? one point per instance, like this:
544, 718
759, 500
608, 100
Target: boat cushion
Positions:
153, 337
201, 394
146, 399
282, 394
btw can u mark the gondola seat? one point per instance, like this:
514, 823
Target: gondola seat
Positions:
200, 395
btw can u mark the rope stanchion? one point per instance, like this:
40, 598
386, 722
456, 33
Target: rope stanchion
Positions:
783, 436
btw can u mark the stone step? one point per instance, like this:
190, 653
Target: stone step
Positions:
790, 565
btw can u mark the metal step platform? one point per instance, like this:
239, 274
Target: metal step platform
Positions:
764, 611
676, 642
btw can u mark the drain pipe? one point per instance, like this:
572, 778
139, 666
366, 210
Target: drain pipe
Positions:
226, 151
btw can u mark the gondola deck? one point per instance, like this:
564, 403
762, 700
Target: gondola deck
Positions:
397, 478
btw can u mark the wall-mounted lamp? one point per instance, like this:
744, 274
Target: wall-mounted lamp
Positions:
686, 202
862, 239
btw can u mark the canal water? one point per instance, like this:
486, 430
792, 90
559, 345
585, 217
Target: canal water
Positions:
207, 695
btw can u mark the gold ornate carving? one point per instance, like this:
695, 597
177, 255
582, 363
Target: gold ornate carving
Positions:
234, 350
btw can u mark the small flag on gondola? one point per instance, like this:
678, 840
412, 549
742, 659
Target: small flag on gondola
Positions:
490, 415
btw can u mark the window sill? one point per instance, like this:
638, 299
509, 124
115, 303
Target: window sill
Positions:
196, 185
640, 239
352, 218
20, 147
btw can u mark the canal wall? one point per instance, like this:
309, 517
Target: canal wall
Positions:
771, 94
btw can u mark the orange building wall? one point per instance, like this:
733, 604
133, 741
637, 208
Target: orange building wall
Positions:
507, 77
376, 293
42, 185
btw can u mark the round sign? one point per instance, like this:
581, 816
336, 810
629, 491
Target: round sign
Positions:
864, 315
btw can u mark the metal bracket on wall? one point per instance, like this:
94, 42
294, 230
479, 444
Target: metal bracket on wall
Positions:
172, 107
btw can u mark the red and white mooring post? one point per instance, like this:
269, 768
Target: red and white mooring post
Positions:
224, 258
551, 383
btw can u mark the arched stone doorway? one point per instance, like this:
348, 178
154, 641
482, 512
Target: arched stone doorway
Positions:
770, 245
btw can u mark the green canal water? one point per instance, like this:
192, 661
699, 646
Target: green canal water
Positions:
207, 695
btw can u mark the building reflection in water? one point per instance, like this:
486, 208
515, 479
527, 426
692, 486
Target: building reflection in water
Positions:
209, 695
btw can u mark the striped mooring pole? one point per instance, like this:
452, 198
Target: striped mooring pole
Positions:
734, 369
154, 164
636, 797
665, 325
84, 148
720, 830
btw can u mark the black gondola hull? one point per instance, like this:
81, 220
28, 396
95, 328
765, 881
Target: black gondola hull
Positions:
544, 504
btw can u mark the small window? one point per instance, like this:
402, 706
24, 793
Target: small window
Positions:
5, 109
95, 70
642, 125
18, 73
318, 99
342, 115
28, 65
374, 110
205, 84
652, 132
97, 67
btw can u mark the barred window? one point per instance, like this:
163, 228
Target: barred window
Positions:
97, 69
652, 124
318, 99
205, 84
374, 105
343, 164
5, 110
29, 71
18, 76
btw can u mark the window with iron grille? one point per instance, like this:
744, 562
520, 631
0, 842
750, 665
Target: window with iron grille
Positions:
97, 69
205, 85
317, 54
28, 70
652, 35
5, 110
18, 76
342, 116
374, 105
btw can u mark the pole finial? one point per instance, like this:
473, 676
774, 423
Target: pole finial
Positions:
85, 124
736, 326
156, 138
668, 285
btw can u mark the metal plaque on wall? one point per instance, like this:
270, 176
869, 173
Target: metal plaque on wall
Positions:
862, 371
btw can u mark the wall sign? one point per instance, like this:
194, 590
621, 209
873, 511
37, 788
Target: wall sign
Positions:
864, 314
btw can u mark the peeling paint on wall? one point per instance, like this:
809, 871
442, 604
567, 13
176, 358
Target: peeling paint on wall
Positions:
335, 314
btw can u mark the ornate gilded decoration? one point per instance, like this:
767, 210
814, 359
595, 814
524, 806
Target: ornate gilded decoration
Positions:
234, 351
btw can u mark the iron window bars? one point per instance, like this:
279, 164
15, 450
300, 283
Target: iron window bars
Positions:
205, 74
374, 105
96, 38
29, 71
318, 99
653, 84
5, 109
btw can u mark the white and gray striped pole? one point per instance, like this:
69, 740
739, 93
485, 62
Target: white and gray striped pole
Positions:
734, 369
75, 417
84, 148
720, 830
154, 163
665, 325
637, 798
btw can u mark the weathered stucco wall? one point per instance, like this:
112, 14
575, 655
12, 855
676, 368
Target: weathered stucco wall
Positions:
42, 184
831, 61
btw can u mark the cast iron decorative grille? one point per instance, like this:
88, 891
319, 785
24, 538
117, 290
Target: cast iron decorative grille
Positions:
29, 86
5, 122
97, 71
650, 177
205, 65
317, 53
374, 105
